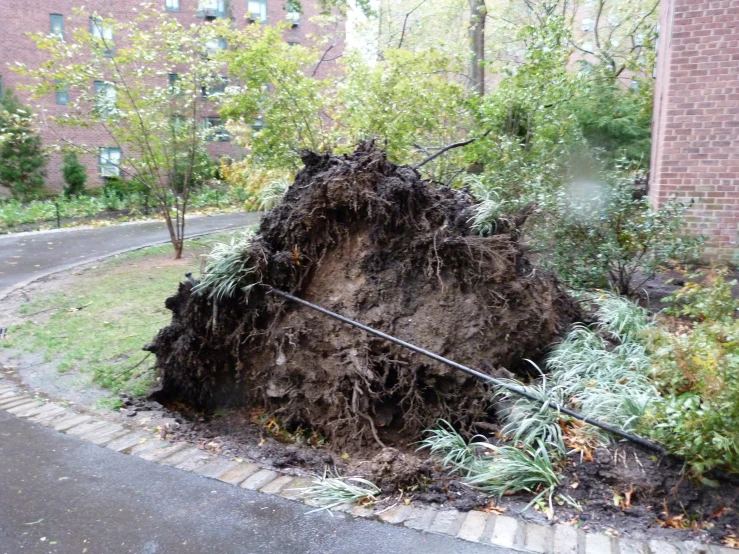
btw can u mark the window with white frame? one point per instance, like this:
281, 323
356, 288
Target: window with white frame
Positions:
215, 45
214, 130
104, 33
172, 5
211, 8
105, 98
109, 162
214, 85
587, 24
293, 17
257, 10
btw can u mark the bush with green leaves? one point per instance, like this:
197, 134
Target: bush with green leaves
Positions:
74, 173
700, 302
614, 239
697, 373
22, 159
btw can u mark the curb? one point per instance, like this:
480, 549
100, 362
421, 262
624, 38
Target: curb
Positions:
4, 293
475, 526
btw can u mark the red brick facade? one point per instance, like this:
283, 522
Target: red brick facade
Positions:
695, 150
19, 17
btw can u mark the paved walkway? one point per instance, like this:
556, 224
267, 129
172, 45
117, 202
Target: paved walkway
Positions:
60, 495
25, 256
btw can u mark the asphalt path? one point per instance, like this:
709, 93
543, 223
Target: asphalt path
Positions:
59, 494
25, 256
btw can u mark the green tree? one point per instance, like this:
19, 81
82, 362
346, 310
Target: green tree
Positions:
74, 173
22, 159
149, 91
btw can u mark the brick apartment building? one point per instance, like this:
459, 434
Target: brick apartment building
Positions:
19, 17
695, 149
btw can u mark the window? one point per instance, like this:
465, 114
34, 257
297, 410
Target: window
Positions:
216, 85
215, 132
293, 17
214, 46
104, 33
109, 162
62, 92
211, 8
174, 88
587, 24
172, 5
289, 43
57, 25
105, 97
258, 124
257, 10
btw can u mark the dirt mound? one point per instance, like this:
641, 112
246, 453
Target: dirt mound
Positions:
372, 241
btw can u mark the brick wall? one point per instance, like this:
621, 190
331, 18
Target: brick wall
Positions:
695, 150
19, 17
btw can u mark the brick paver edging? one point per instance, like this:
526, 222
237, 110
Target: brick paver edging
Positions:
475, 526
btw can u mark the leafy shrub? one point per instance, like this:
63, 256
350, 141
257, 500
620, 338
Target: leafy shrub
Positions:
699, 302
22, 159
698, 375
616, 240
74, 173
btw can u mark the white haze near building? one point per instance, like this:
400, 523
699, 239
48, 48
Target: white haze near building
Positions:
362, 32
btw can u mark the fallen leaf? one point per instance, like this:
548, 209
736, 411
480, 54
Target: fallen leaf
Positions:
491, 508
732, 541
718, 513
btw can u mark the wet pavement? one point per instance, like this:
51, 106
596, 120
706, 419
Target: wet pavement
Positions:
62, 495
25, 256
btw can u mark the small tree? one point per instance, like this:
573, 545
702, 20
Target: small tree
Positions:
150, 92
22, 159
75, 174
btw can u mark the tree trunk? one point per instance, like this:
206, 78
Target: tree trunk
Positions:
478, 12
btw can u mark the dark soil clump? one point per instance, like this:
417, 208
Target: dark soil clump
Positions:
372, 241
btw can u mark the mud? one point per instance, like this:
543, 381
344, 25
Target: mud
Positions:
372, 241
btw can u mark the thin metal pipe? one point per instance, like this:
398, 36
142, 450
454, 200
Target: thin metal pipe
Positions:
483, 377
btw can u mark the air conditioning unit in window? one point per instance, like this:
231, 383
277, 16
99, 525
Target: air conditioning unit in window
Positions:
109, 171
210, 12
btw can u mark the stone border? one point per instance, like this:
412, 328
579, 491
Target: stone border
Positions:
474, 526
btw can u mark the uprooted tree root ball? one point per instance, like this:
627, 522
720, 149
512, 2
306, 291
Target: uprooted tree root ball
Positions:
372, 241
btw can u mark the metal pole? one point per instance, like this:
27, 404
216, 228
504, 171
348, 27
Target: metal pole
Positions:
613, 430
58, 219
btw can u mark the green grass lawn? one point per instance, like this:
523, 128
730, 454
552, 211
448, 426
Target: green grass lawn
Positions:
97, 322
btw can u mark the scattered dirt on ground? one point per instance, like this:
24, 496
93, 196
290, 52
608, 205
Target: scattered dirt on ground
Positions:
372, 241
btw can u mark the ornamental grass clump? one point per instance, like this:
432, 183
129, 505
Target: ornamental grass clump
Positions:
513, 469
332, 490
228, 265
528, 421
272, 194
490, 209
